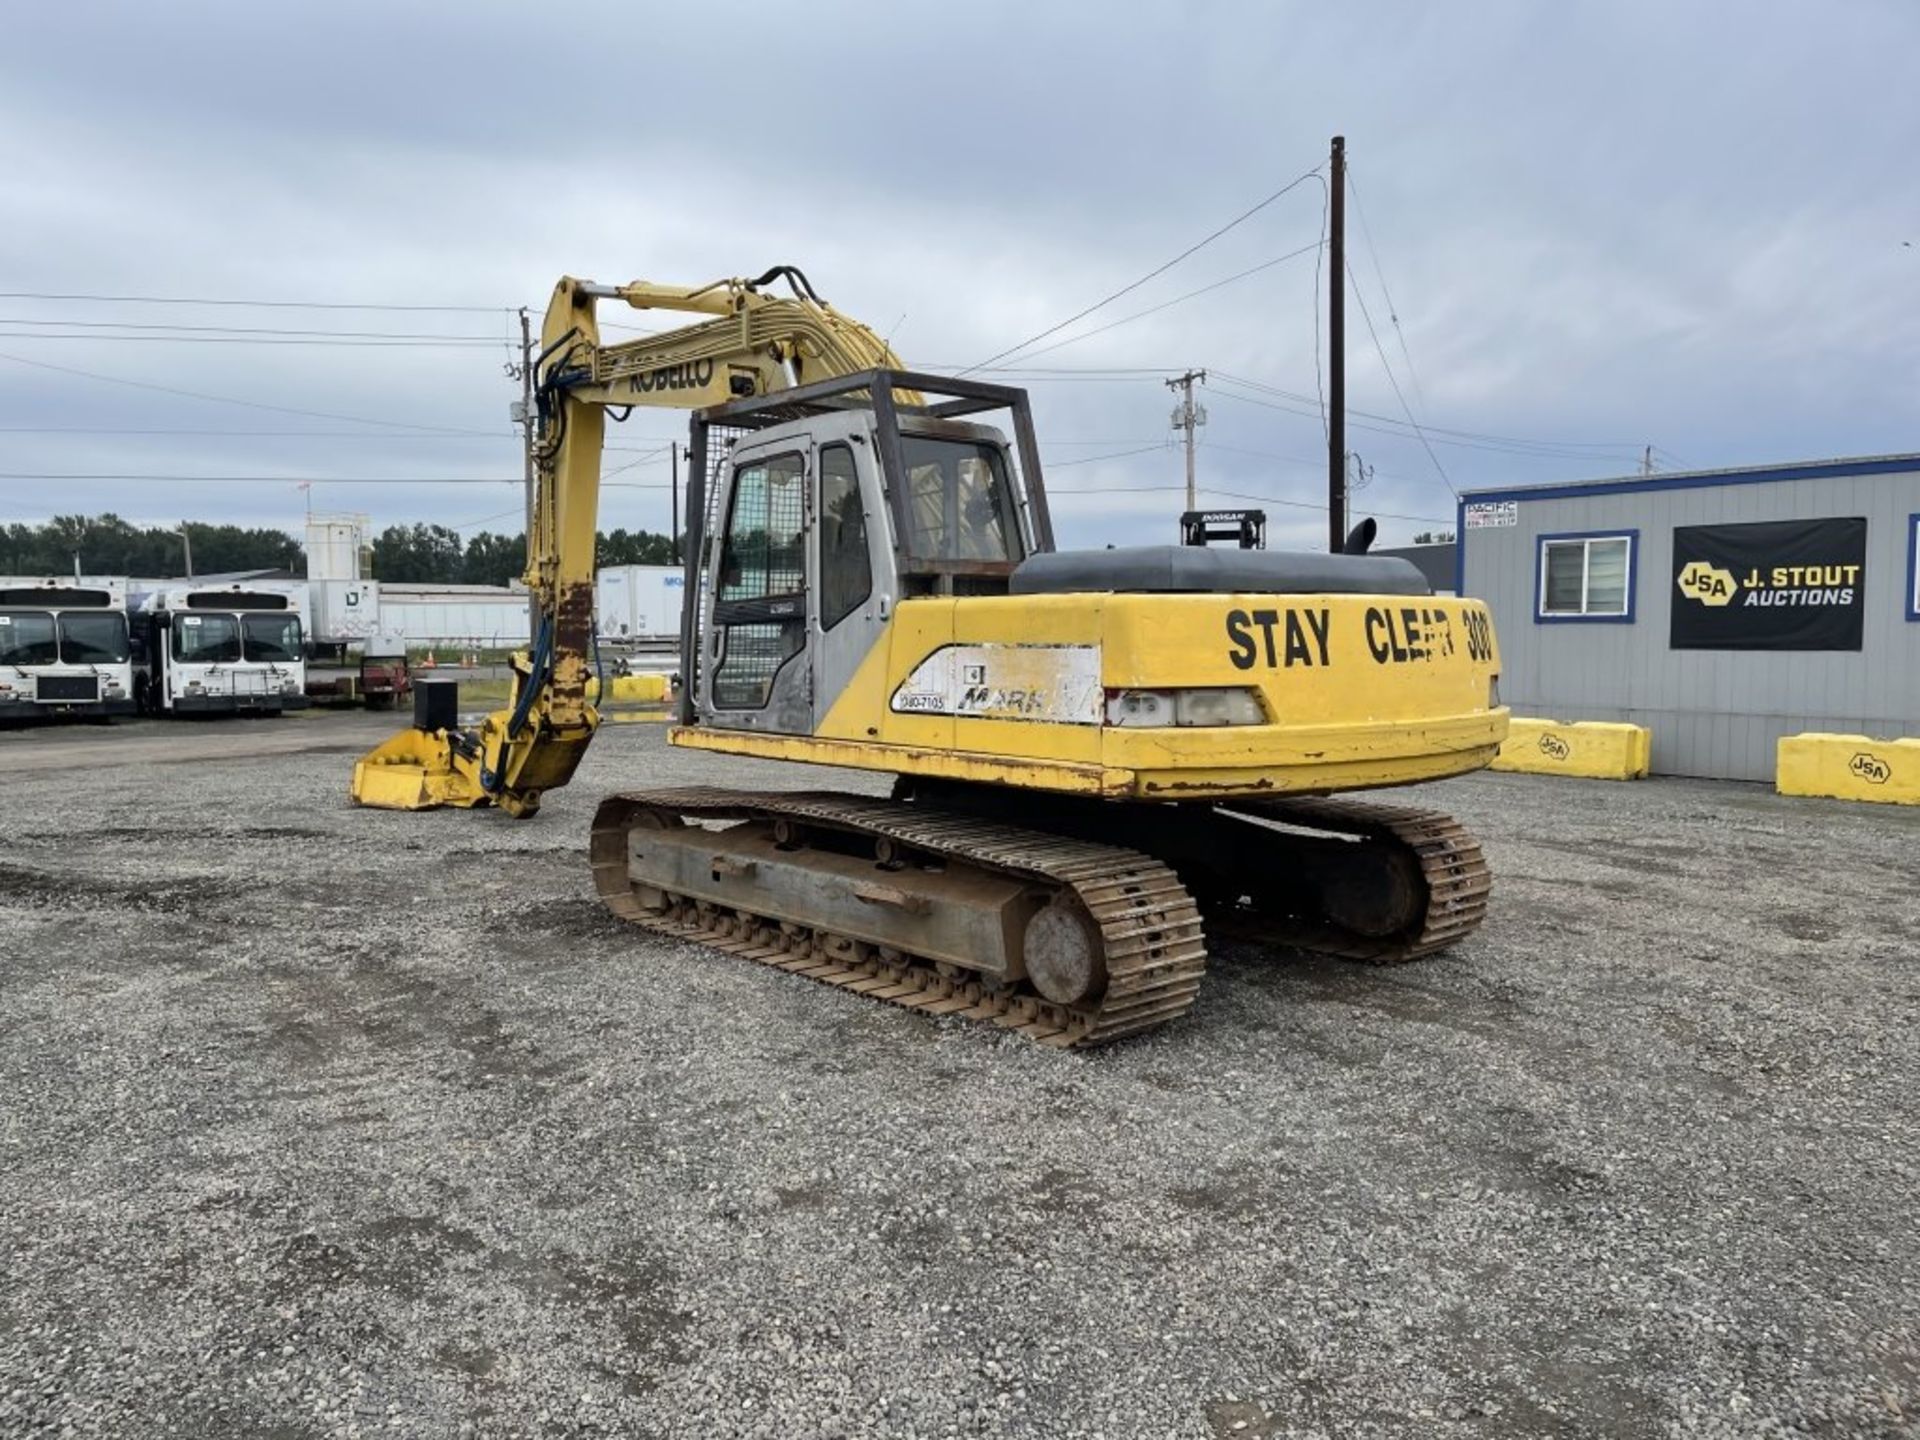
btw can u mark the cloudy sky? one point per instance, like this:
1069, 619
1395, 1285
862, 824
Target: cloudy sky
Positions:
1601, 226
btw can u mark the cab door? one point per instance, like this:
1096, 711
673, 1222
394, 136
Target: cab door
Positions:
754, 655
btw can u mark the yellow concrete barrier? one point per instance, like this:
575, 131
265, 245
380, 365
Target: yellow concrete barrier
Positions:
1849, 767
631, 689
1591, 749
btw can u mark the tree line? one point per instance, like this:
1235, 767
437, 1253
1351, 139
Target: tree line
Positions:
436, 555
108, 545
413, 554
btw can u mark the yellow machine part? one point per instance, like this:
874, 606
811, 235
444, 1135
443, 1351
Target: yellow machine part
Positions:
422, 770
1353, 692
413, 770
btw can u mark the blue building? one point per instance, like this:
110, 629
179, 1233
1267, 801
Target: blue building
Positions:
1720, 608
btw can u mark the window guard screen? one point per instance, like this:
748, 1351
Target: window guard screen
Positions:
763, 555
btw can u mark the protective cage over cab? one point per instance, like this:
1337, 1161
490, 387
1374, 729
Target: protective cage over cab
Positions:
829, 504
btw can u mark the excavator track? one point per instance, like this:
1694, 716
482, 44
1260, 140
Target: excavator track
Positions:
1381, 884
1454, 880
1147, 928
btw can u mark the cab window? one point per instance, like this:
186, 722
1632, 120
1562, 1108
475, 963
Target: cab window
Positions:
959, 500
762, 555
846, 570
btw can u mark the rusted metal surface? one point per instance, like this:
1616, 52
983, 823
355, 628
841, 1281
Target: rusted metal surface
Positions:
1146, 928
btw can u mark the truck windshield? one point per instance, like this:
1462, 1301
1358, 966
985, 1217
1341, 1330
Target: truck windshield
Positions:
272, 639
93, 639
206, 639
26, 638
959, 500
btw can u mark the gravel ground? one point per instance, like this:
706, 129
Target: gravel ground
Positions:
316, 1122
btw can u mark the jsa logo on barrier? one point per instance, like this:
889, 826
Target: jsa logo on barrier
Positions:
1870, 768
1301, 638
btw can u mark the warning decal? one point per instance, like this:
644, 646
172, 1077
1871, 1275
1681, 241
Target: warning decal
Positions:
1057, 684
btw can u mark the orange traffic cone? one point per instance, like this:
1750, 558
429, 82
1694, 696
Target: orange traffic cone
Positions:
429, 662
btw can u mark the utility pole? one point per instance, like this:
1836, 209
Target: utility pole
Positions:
673, 526
186, 545
1188, 417
526, 412
1646, 462
1337, 348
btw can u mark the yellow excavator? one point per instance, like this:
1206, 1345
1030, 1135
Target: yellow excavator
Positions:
1096, 754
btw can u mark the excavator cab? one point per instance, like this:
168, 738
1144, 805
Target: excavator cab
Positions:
823, 509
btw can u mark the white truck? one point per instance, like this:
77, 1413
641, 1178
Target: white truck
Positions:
64, 647
220, 648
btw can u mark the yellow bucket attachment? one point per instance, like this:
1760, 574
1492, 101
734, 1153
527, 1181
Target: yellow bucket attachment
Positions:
414, 770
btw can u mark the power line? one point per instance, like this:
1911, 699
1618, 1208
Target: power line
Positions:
297, 479
232, 400
645, 456
1157, 271
1318, 461
257, 304
1242, 495
1309, 414
1381, 275
1261, 385
253, 330
1053, 440
489, 435
448, 344
253, 434
1378, 349
1511, 444
1169, 304
1095, 459
1319, 384
487, 519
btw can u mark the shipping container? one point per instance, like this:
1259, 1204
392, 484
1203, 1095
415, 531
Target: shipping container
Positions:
345, 612
639, 602
337, 547
475, 617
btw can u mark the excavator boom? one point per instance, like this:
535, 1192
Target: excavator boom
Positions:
755, 344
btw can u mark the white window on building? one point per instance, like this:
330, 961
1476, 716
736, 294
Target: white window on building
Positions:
1586, 577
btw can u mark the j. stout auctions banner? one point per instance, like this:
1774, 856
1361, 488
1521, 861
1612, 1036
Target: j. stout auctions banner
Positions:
1779, 585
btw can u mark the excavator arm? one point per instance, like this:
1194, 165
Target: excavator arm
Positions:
753, 344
